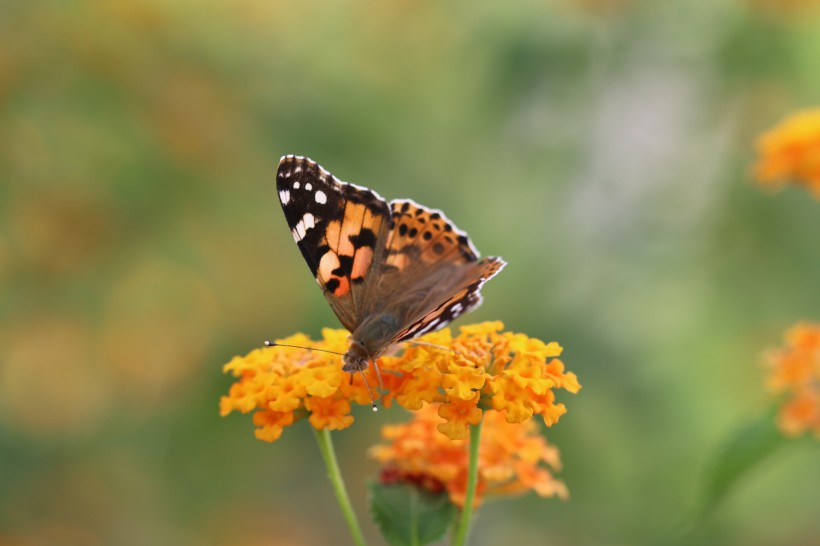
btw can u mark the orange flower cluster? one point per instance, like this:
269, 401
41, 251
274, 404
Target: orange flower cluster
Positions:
795, 369
513, 458
791, 151
285, 384
484, 367
480, 368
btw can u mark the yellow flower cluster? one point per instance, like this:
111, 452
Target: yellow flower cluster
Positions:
791, 152
513, 458
477, 369
795, 370
484, 367
285, 384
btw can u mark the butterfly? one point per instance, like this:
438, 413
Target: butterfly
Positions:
391, 271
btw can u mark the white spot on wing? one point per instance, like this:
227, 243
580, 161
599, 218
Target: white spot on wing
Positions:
307, 222
284, 196
429, 327
308, 186
296, 185
321, 198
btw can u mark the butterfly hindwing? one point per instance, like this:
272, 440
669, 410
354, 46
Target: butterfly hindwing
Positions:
431, 272
462, 300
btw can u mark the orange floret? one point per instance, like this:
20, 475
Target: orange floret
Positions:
286, 384
790, 152
795, 373
513, 458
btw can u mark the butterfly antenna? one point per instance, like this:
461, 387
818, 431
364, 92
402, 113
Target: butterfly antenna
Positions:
274, 344
372, 398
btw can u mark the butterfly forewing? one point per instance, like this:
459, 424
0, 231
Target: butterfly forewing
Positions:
339, 228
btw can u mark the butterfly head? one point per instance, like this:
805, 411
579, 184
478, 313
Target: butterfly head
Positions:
356, 358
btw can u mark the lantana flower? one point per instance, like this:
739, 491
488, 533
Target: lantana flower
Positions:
795, 373
285, 384
790, 152
481, 368
513, 457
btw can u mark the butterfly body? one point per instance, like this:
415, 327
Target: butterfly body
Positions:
369, 340
390, 271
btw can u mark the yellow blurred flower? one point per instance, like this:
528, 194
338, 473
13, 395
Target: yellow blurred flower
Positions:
513, 458
795, 372
791, 152
481, 368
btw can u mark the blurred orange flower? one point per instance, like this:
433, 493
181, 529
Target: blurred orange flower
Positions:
791, 152
478, 369
795, 371
513, 458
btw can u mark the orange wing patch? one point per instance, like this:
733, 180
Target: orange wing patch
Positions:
417, 232
348, 248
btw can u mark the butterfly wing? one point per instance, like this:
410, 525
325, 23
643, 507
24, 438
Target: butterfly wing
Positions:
465, 296
338, 227
428, 275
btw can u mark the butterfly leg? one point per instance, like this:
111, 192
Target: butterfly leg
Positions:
369, 390
378, 374
425, 344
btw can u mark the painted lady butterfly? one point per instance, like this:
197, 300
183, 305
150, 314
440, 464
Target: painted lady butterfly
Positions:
390, 271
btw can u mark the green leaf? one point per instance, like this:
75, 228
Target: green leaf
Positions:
408, 516
745, 449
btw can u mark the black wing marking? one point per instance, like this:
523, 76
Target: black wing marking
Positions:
338, 228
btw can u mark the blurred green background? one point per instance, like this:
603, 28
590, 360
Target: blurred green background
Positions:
602, 147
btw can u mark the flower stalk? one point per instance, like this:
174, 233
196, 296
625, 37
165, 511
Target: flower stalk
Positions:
329, 456
463, 528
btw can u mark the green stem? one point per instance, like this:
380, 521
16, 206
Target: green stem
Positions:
335, 475
460, 537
